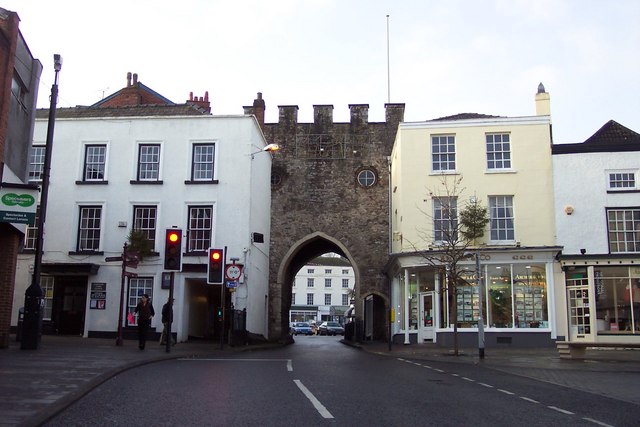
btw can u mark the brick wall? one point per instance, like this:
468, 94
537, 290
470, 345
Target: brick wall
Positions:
9, 244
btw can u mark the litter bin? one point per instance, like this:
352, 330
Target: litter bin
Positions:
20, 321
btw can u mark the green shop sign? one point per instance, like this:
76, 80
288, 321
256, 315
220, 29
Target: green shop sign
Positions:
18, 204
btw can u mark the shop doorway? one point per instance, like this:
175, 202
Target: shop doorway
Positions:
69, 304
427, 321
578, 298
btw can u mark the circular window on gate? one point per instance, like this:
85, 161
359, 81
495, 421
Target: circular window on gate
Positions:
367, 177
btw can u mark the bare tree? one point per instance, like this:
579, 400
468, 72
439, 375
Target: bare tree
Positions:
447, 239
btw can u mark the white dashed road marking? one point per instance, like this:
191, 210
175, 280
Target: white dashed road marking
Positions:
316, 403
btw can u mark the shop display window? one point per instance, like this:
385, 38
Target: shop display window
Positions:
617, 294
530, 296
499, 296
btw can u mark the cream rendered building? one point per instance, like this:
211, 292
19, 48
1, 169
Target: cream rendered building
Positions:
505, 164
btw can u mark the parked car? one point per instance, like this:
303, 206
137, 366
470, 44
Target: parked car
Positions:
301, 328
330, 328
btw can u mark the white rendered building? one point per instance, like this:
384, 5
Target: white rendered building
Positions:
150, 165
322, 290
596, 188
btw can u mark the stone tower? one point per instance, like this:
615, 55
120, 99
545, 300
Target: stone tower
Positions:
330, 193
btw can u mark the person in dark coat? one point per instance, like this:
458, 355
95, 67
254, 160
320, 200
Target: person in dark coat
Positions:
145, 313
167, 318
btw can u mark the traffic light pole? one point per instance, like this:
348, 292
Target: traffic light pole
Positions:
222, 302
168, 338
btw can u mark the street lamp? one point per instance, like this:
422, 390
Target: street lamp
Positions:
268, 148
32, 322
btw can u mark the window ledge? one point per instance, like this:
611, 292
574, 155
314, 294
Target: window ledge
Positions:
139, 182
92, 182
439, 173
86, 252
195, 253
623, 191
492, 171
192, 182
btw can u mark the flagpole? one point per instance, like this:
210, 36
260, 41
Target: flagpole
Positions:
388, 66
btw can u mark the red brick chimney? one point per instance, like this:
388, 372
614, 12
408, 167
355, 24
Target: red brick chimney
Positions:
200, 102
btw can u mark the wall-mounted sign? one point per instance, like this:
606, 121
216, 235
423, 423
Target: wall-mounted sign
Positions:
98, 299
18, 203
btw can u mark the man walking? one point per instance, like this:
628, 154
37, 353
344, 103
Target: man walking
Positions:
167, 320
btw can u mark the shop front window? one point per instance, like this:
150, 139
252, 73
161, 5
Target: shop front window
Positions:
530, 296
617, 293
468, 305
500, 293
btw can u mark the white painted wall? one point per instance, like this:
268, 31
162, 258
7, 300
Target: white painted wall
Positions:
240, 199
580, 181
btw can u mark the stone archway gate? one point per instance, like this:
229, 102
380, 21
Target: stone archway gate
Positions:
319, 205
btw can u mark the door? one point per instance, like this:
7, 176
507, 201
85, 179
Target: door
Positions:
578, 299
70, 303
427, 321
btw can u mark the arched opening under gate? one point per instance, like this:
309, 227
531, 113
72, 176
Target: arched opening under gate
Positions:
370, 308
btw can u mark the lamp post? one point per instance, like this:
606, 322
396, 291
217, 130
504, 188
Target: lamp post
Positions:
32, 322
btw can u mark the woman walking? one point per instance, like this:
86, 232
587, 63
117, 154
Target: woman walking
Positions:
145, 312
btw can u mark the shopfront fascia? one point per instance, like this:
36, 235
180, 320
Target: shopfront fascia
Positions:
518, 299
602, 298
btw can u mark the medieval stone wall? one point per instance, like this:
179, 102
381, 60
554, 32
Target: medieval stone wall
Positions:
315, 192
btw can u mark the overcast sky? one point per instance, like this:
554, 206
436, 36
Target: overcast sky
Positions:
446, 56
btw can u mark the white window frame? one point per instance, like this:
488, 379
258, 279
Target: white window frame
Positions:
499, 223
138, 286
445, 228
149, 164
498, 158
309, 299
36, 162
196, 159
197, 240
327, 299
625, 228
626, 179
327, 282
31, 233
440, 159
93, 177
345, 283
310, 282
85, 231
47, 284
146, 223
345, 299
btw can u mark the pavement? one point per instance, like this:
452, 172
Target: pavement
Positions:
35, 385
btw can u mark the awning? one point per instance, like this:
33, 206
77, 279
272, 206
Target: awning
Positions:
70, 269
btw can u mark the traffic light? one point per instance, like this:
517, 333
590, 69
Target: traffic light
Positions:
219, 313
215, 271
173, 249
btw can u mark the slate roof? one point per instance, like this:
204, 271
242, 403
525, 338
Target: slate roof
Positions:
132, 111
612, 137
464, 116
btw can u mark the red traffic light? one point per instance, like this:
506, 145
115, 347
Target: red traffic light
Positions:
215, 266
173, 249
